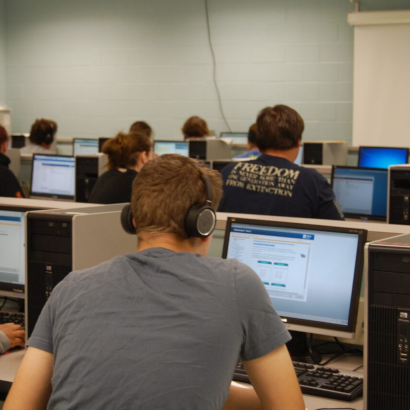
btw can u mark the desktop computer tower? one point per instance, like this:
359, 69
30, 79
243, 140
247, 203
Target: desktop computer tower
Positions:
62, 240
87, 170
209, 149
325, 153
398, 192
387, 325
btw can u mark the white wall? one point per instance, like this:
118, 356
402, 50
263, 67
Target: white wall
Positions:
2, 51
96, 66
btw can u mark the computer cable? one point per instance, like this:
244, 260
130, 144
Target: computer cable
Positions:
214, 65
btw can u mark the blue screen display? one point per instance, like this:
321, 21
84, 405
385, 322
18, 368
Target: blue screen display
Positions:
361, 191
382, 157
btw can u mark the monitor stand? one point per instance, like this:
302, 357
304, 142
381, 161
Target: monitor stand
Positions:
300, 350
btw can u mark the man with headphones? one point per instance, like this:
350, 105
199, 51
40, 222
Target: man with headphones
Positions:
161, 328
41, 137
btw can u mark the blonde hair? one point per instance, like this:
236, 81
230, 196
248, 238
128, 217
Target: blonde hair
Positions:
166, 188
124, 149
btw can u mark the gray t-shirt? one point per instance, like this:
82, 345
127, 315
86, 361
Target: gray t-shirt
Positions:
154, 330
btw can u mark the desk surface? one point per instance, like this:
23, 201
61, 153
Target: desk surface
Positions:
10, 362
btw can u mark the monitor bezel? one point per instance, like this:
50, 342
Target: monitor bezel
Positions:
379, 147
360, 216
85, 139
51, 196
7, 289
101, 142
311, 326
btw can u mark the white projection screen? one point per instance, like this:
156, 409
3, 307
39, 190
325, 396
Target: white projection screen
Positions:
381, 97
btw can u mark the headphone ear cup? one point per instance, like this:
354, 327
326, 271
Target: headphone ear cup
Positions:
200, 221
126, 220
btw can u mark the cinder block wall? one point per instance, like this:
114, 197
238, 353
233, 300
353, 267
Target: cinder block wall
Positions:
96, 66
2, 52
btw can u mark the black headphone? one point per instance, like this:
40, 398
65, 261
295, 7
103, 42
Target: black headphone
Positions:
200, 220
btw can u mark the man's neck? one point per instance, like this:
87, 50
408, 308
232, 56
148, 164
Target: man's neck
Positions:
289, 154
171, 242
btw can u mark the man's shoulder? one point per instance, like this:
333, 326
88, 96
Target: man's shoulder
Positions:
110, 267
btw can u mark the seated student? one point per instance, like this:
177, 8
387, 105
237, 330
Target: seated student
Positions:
9, 185
161, 328
253, 151
195, 128
273, 184
11, 335
141, 127
127, 154
41, 137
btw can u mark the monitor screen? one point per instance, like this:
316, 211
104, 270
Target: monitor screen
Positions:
12, 252
171, 147
236, 137
311, 273
85, 146
53, 176
361, 192
382, 157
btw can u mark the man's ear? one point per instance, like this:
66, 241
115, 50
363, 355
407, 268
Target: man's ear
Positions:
134, 223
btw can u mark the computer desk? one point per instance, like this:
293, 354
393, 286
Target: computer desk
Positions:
10, 362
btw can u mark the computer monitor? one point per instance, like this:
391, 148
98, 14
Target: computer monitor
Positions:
84, 146
18, 140
101, 142
12, 253
53, 176
171, 147
382, 157
236, 137
312, 273
220, 165
361, 192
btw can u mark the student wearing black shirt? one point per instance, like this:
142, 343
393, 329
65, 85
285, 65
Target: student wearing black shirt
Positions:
9, 185
127, 154
273, 184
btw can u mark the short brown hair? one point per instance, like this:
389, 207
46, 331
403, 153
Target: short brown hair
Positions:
3, 135
166, 188
141, 127
279, 128
195, 127
253, 134
43, 131
124, 149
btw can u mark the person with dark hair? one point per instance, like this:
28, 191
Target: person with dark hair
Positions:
41, 137
161, 328
273, 184
253, 151
127, 154
9, 185
195, 128
141, 127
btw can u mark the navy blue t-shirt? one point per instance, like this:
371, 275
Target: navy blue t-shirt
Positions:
275, 186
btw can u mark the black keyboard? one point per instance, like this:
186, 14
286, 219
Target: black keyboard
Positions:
12, 317
318, 381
